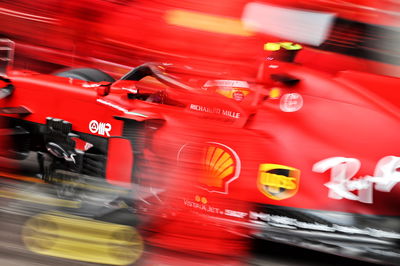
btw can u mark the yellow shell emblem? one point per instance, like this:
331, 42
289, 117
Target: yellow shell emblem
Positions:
218, 165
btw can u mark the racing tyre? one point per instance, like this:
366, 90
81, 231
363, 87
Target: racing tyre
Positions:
86, 74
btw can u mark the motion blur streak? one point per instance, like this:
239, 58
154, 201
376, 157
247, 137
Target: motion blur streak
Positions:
73, 237
27, 16
208, 143
209, 33
39, 199
206, 22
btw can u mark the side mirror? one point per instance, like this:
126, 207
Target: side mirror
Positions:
120, 161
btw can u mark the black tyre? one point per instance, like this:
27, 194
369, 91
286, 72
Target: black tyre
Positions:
87, 74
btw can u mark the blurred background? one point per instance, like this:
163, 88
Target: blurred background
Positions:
348, 34
38, 227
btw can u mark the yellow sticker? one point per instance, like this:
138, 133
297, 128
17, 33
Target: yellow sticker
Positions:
272, 46
278, 182
275, 93
275, 46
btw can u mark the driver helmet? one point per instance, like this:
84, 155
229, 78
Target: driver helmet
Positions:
233, 89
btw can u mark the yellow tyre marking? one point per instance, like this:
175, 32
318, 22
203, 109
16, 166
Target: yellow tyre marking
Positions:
77, 238
39, 199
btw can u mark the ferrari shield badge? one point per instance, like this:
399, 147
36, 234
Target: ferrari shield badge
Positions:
278, 182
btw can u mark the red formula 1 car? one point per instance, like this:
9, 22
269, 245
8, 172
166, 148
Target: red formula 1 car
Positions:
295, 155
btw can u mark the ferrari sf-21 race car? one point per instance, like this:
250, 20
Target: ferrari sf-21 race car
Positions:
294, 155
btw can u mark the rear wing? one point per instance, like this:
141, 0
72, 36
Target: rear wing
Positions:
6, 55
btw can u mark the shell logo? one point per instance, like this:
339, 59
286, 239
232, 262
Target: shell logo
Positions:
219, 165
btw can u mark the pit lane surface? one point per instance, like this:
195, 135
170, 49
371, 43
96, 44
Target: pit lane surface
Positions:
16, 211
13, 251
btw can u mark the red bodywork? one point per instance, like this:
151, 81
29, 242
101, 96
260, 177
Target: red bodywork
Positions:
350, 115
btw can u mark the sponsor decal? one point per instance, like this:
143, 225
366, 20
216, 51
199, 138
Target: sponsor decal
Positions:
201, 204
100, 128
238, 96
219, 165
214, 110
234, 89
260, 218
235, 214
227, 83
343, 170
291, 102
202, 207
278, 182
